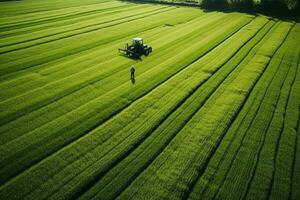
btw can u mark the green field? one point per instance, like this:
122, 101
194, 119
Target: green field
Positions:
214, 112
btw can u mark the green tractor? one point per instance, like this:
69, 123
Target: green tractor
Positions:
136, 49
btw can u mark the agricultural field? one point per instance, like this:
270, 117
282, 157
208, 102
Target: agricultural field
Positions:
213, 111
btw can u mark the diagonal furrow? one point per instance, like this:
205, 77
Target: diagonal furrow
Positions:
180, 161
244, 22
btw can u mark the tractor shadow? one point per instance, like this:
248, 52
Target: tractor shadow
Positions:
131, 57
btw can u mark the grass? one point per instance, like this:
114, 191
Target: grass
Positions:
214, 107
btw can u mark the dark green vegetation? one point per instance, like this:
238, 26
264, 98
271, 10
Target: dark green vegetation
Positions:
213, 114
279, 8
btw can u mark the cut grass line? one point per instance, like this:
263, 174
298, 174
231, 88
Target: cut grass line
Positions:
58, 107
250, 47
244, 137
205, 182
265, 140
225, 175
284, 154
260, 183
133, 164
295, 179
169, 77
171, 172
20, 45
163, 93
122, 73
87, 41
41, 29
124, 152
30, 23
20, 10
107, 52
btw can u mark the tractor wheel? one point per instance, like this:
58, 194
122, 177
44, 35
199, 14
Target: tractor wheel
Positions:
147, 52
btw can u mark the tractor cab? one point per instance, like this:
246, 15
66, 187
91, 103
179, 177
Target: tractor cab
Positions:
137, 48
137, 41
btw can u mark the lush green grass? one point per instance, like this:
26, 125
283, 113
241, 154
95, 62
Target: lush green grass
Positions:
213, 112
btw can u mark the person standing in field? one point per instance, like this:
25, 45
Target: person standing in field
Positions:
132, 70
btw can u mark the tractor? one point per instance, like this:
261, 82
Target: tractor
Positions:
136, 49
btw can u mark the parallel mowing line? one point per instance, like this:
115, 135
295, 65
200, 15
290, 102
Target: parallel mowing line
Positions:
163, 134
108, 50
257, 119
29, 23
175, 180
193, 188
55, 32
25, 10
201, 187
263, 36
122, 73
295, 179
60, 109
48, 26
97, 46
274, 133
260, 103
43, 59
91, 42
111, 72
15, 21
16, 125
7, 48
265, 138
70, 59
239, 125
31, 61
124, 152
140, 95
284, 154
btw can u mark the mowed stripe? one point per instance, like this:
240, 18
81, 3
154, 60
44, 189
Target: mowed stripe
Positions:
166, 88
214, 108
106, 112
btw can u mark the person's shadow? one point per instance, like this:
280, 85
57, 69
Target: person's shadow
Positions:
133, 80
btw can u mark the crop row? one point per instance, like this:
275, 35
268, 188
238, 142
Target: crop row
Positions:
213, 112
104, 57
22, 24
137, 111
236, 139
77, 42
110, 73
33, 8
85, 26
133, 164
172, 172
32, 147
